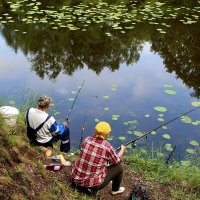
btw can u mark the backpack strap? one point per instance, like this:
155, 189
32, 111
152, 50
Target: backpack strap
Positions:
40, 126
27, 122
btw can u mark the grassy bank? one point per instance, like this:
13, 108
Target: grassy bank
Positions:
22, 172
181, 179
23, 175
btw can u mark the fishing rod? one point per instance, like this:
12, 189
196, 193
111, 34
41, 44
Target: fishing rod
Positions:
82, 132
167, 161
145, 134
67, 119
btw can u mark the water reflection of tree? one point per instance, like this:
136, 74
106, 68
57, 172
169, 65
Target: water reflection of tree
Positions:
52, 52
180, 48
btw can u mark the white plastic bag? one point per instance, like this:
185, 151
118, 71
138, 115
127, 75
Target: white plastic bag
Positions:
10, 114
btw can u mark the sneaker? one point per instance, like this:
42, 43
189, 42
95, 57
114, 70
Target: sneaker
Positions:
121, 190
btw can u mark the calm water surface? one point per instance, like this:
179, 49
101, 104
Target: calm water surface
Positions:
126, 74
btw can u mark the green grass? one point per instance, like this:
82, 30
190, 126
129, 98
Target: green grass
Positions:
182, 179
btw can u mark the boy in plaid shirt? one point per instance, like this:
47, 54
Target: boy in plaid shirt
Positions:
98, 163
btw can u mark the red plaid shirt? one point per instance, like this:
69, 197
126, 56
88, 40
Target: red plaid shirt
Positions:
91, 167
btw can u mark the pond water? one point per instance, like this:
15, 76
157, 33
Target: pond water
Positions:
134, 57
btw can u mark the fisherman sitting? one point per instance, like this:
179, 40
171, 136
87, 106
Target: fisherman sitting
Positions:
98, 163
43, 130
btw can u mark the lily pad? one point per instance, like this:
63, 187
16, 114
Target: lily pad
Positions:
153, 132
57, 113
164, 127
196, 103
71, 99
191, 151
74, 92
186, 119
168, 147
194, 143
161, 120
106, 97
170, 92
96, 120
138, 133
147, 115
160, 109
160, 154
166, 136
110, 138
122, 138
106, 108
130, 132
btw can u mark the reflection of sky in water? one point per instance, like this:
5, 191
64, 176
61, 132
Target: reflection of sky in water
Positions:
139, 89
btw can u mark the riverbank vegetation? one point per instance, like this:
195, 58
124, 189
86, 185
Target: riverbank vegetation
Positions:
23, 175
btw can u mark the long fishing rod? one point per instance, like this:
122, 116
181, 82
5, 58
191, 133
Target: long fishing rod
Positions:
145, 134
74, 101
82, 132
167, 161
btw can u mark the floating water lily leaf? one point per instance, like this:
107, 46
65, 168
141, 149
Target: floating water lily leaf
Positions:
71, 99
185, 163
74, 92
161, 115
191, 151
133, 121
12, 102
164, 127
115, 118
168, 86
96, 120
147, 115
153, 132
166, 136
115, 115
168, 147
122, 138
196, 103
194, 143
130, 132
160, 109
161, 120
170, 92
114, 89
197, 122
57, 113
106, 97
110, 138
160, 154
186, 119
106, 108
138, 133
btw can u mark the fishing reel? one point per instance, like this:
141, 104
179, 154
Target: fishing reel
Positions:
133, 145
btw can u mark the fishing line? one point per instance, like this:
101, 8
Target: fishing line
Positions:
145, 134
74, 101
